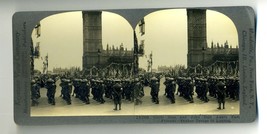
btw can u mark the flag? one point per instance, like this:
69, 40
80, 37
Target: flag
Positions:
142, 26
38, 30
37, 50
141, 48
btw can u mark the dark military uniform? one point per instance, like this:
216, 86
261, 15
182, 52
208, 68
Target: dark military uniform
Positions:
190, 91
51, 90
171, 91
84, 90
35, 90
154, 90
236, 89
76, 85
205, 91
128, 90
137, 92
94, 89
66, 90
221, 93
101, 91
117, 91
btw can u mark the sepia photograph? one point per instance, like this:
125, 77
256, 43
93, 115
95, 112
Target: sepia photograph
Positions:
169, 62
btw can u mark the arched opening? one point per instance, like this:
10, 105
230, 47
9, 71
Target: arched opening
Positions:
166, 37
61, 39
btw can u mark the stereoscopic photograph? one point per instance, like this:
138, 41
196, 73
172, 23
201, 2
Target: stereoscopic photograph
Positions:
99, 63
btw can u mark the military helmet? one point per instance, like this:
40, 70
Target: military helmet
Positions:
50, 80
84, 80
154, 78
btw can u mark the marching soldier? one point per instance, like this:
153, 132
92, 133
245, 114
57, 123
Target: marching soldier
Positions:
137, 91
101, 91
220, 86
66, 90
205, 89
76, 85
189, 91
51, 90
94, 89
171, 90
108, 89
35, 90
236, 89
84, 90
117, 91
166, 83
212, 86
128, 90
154, 90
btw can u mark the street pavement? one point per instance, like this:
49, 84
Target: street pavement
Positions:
181, 107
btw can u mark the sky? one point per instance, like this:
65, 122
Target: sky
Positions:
165, 36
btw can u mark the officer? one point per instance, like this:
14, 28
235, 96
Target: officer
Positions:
220, 86
117, 91
51, 90
137, 91
35, 92
154, 90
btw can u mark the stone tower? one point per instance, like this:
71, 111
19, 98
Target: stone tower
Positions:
197, 36
92, 38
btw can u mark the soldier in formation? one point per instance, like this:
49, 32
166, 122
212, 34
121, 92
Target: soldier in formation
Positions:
133, 89
98, 90
202, 89
35, 92
128, 90
51, 90
137, 91
76, 84
154, 90
170, 88
185, 88
66, 90
232, 88
83, 91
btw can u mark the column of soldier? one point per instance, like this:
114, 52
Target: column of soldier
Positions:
133, 89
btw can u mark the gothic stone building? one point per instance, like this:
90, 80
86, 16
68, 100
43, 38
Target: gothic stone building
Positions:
198, 51
93, 53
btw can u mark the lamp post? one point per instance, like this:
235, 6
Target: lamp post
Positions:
136, 63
